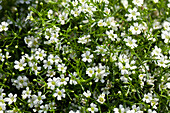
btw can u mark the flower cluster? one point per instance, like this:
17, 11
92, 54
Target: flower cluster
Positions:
77, 56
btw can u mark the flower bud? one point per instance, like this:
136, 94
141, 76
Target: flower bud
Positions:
16, 46
41, 3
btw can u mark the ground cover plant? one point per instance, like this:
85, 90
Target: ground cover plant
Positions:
84, 56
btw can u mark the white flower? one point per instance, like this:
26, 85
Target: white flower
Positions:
47, 64
90, 8
136, 29
111, 35
63, 17
55, 59
101, 23
72, 79
90, 71
136, 109
147, 98
38, 99
78, 111
93, 108
35, 68
52, 105
166, 25
62, 68
88, 94
40, 54
101, 98
82, 40
156, 51
100, 73
26, 93
125, 79
167, 85
75, 3
162, 62
52, 83
2, 57
29, 16
133, 14
1, 93
50, 13
59, 94
85, 39
150, 111
32, 41
123, 58
125, 3
105, 90
100, 70
130, 42
12, 98
154, 102
3, 26
2, 107
82, 1
63, 79
43, 108
7, 55
50, 73
141, 76
106, 10
157, 25
87, 57
75, 12
138, 2
166, 36
101, 50
116, 110
20, 82
155, 1
20, 64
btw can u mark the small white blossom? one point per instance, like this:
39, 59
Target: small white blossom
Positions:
147, 98
156, 51
125, 3
87, 94
3, 26
21, 82
26, 93
52, 83
93, 108
59, 94
40, 54
20, 64
101, 98
90, 71
72, 79
130, 42
2, 57
63, 17
133, 14
62, 68
101, 23
87, 57
166, 36
38, 99
35, 68
138, 2
135, 29
12, 98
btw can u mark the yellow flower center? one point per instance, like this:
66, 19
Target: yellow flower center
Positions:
59, 93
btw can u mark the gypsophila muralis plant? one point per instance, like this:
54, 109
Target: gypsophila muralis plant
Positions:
78, 56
